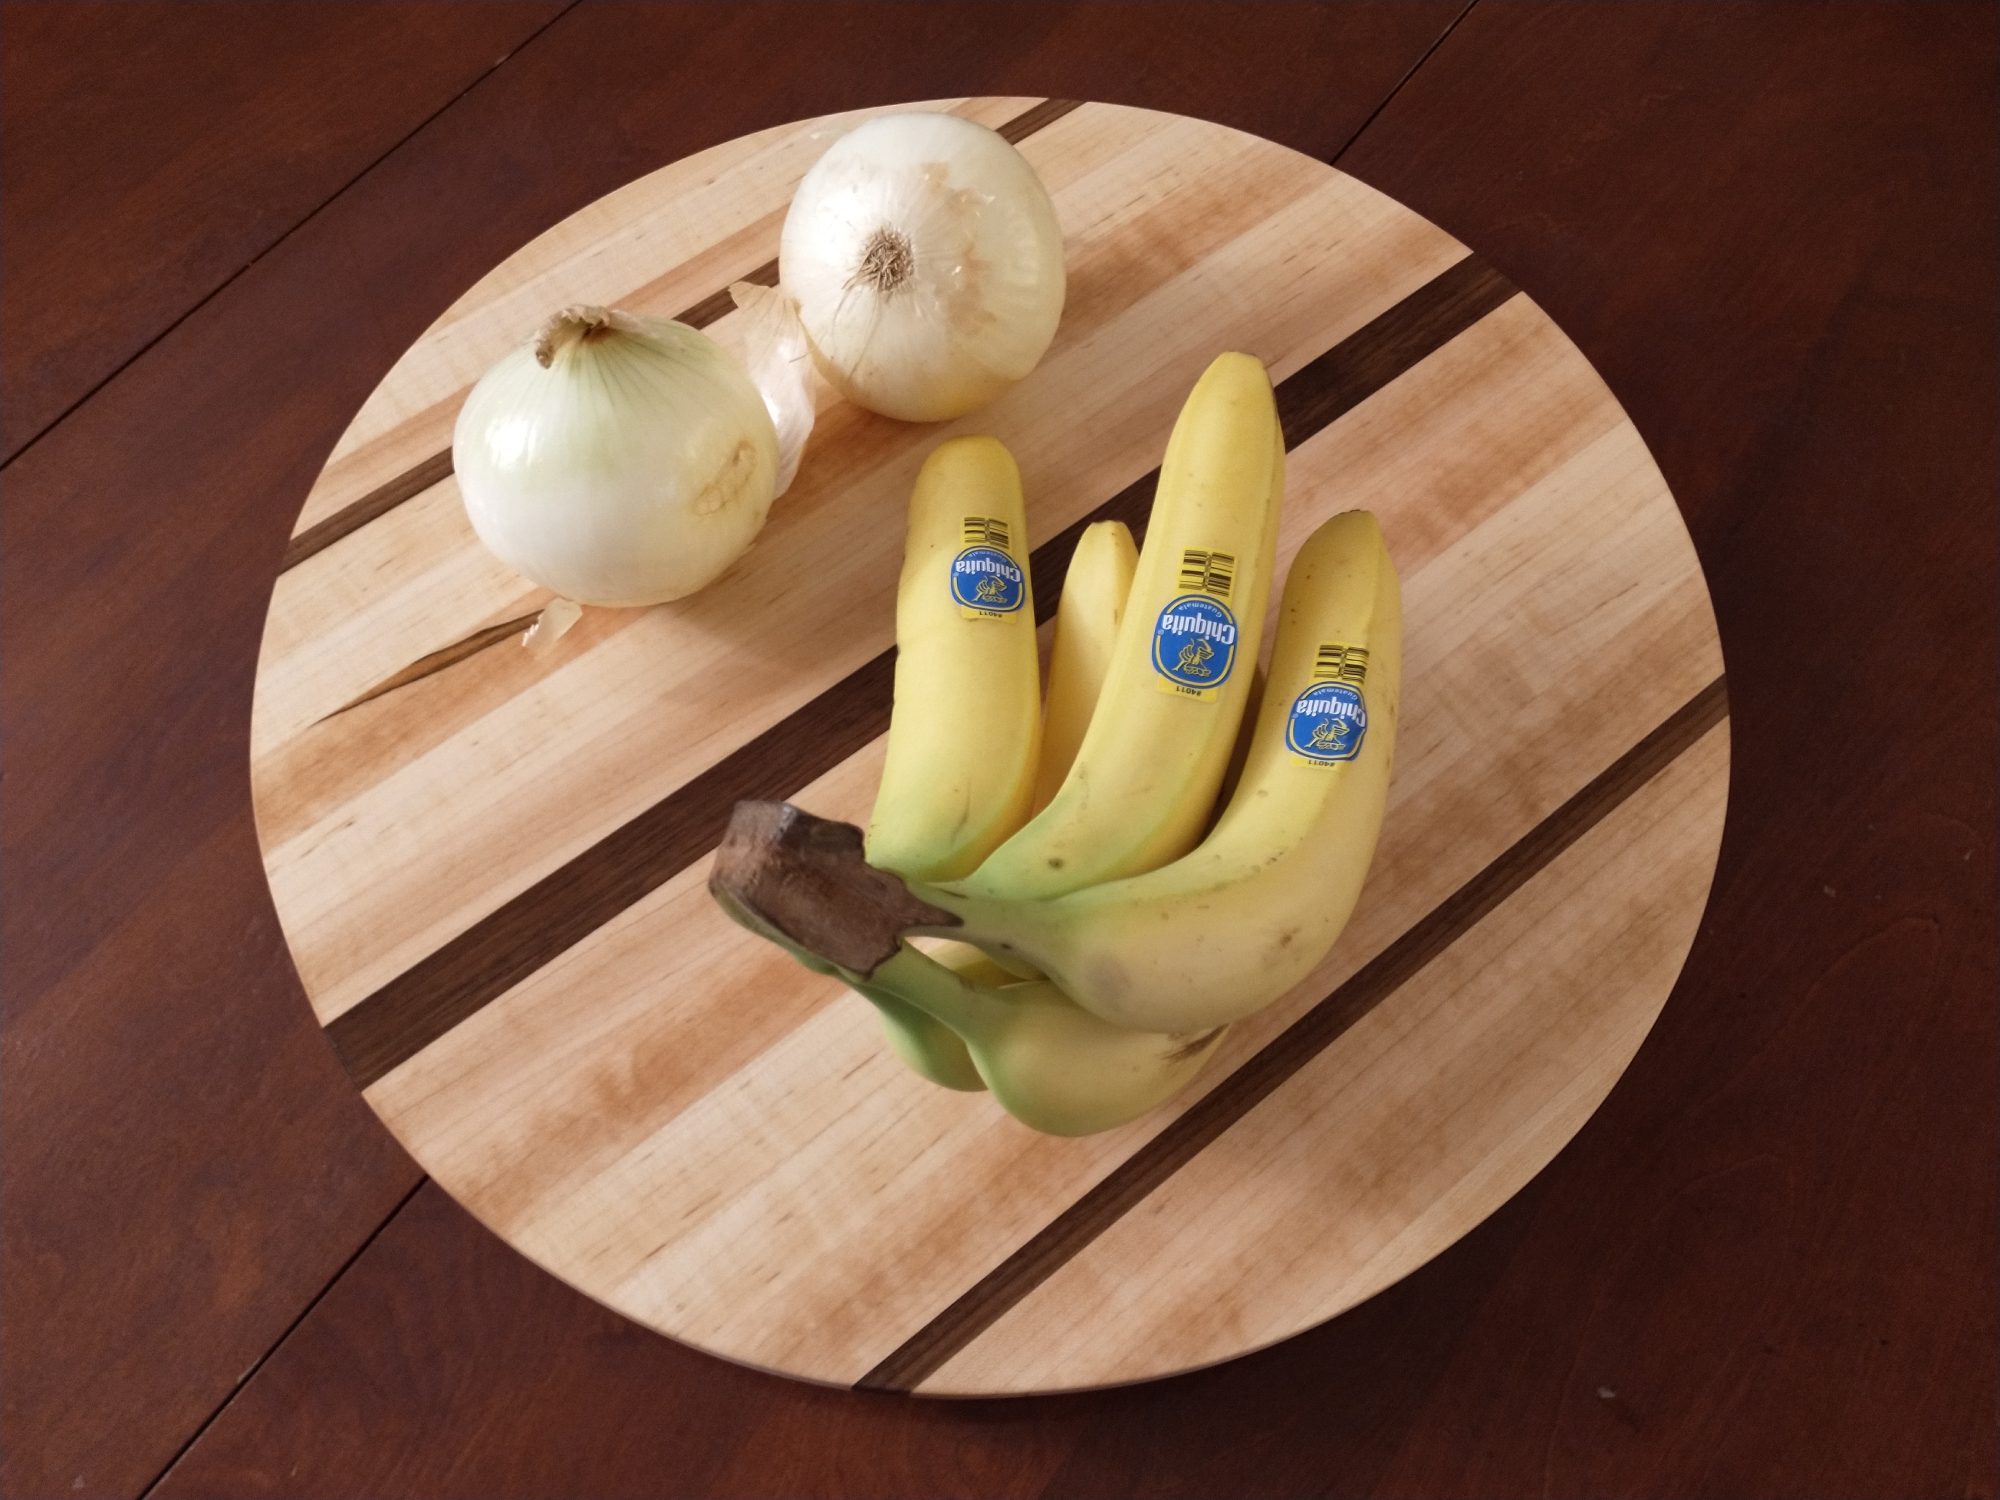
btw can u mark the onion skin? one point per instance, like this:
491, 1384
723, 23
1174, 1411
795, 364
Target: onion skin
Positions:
926, 261
632, 470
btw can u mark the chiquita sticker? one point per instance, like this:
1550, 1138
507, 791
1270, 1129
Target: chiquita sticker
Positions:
1194, 646
1328, 723
986, 581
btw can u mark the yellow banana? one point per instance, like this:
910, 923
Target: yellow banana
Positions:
926, 1045
1050, 1064
1227, 929
1087, 620
930, 1049
800, 882
1145, 776
965, 733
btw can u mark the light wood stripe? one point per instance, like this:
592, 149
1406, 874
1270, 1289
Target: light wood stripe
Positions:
982, 1305
435, 469
441, 990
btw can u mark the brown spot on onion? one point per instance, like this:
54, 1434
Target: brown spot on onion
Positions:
725, 488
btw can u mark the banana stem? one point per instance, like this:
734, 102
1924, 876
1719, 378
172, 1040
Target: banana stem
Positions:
1005, 929
801, 881
928, 1046
972, 1010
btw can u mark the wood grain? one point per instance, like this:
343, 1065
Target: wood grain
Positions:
376, 503
1647, 173
147, 168
668, 1113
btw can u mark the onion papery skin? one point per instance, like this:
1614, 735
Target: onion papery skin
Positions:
985, 289
632, 470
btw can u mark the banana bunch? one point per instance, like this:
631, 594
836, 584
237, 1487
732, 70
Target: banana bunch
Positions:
1101, 926
1051, 1064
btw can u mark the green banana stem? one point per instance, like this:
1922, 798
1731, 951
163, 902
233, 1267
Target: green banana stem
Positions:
926, 1045
914, 978
1008, 930
912, 991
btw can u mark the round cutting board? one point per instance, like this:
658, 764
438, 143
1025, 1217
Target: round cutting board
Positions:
491, 861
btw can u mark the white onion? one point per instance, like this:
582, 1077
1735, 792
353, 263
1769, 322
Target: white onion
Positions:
616, 459
925, 260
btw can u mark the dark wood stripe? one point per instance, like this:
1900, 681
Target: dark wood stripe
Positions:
1362, 364
716, 304
499, 951
437, 468
927, 1350
1038, 117
377, 502
560, 910
1315, 396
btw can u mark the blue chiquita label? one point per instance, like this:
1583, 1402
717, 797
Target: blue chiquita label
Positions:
986, 581
1328, 723
1194, 645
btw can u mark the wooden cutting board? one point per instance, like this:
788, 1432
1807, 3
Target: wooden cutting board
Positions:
490, 862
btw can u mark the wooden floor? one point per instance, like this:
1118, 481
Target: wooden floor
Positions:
1770, 1265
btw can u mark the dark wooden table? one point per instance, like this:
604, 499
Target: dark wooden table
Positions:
1767, 1266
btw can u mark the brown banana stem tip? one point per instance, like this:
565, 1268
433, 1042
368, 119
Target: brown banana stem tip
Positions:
805, 878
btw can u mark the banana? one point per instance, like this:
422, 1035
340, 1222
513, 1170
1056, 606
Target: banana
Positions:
1087, 620
1253, 706
800, 882
1051, 1065
1227, 929
930, 1048
1145, 776
965, 733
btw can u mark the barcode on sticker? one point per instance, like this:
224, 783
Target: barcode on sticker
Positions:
986, 531
1339, 663
1207, 572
